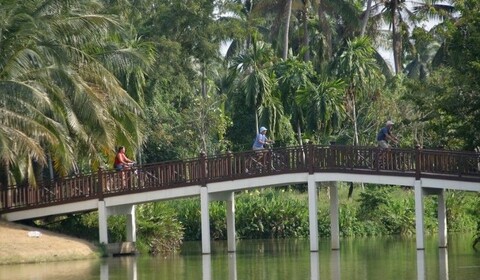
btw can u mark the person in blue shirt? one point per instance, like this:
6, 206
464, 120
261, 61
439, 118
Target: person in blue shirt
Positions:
258, 146
385, 135
261, 139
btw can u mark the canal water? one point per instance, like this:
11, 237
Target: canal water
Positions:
374, 258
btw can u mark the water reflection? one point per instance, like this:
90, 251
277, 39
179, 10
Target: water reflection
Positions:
421, 265
232, 266
127, 264
207, 267
335, 265
71, 270
378, 259
443, 263
314, 266
104, 273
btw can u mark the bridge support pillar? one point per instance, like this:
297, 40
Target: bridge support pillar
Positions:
131, 228
231, 238
334, 219
312, 213
419, 211
442, 220
205, 218
102, 222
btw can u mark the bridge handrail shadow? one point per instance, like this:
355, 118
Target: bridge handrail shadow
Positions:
442, 164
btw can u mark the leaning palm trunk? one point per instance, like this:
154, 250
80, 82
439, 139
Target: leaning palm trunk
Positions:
365, 17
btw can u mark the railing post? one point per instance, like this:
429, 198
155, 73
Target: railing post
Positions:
268, 159
331, 155
417, 161
101, 182
311, 158
203, 168
27, 195
229, 164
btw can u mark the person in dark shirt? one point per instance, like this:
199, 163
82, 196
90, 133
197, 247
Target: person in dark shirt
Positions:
385, 135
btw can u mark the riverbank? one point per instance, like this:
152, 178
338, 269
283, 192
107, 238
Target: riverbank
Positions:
25, 244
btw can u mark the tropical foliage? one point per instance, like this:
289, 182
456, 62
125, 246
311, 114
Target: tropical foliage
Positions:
61, 102
172, 79
79, 78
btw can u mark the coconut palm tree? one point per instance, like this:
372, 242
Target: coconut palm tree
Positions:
402, 16
57, 97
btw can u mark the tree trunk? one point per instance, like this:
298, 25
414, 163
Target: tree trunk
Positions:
204, 87
287, 28
256, 122
306, 38
299, 133
4, 182
325, 29
396, 41
365, 18
300, 141
50, 167
355, 125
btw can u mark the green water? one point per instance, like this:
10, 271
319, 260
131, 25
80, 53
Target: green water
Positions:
366, 258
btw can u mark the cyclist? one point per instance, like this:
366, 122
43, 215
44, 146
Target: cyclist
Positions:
259, 145
121, 160
385, 135
261, 139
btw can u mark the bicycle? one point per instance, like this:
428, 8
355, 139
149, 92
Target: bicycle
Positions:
265, 160
120, 179
255, 162
277, 161
386, 160
145, 179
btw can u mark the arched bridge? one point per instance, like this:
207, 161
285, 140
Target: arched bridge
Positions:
218, 177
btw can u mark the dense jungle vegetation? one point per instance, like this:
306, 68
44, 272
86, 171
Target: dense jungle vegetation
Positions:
169, 79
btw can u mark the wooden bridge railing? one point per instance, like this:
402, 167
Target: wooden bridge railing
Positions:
230, 166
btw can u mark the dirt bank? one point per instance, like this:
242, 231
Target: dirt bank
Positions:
24, 244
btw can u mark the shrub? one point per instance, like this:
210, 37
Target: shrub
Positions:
158, 228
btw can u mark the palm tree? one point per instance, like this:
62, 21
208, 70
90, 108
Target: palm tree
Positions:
277, 15
322, 102
294, 75
243, 23
252, 76
329, 35
56, 96
356, 65
402, 16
